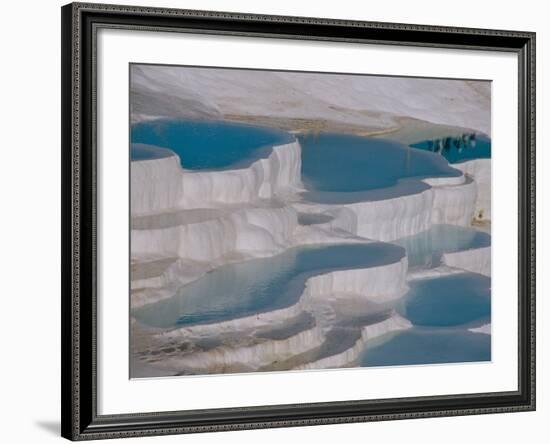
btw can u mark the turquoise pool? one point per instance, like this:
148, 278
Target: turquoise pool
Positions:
441, 311
246, 288
429, 346
342, 168
210, 144
448, 301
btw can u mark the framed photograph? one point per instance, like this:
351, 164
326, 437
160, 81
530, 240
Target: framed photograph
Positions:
281, 221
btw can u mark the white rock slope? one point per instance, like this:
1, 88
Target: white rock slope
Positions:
197, 92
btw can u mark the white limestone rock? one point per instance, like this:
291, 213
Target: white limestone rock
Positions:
161, 184
477, 260
480, 171
369, 332
483, 329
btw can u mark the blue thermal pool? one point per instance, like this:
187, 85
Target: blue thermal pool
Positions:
458, 149
346, 168
441, 310
209, 144
428, 346
425, 249
261, 284
452, 300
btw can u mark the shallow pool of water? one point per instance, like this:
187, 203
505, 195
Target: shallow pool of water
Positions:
452, 300
242, 289
346, 164
425, 249
429, 346
210, 144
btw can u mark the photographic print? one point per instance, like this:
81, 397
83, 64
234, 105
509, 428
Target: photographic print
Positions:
284, 221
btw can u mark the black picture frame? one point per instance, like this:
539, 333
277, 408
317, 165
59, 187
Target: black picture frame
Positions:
80, 22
